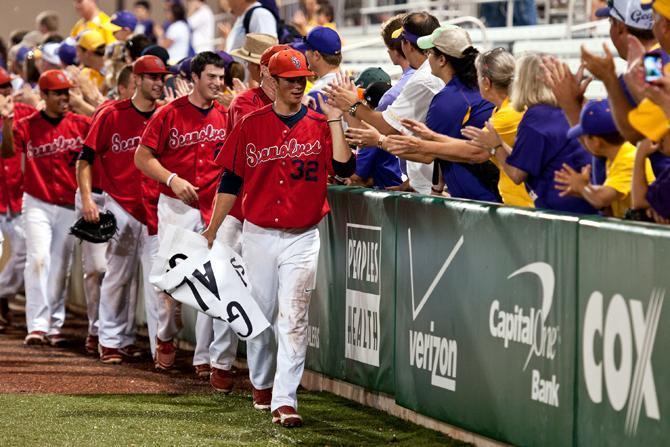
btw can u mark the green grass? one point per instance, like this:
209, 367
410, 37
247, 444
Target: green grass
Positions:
197, 420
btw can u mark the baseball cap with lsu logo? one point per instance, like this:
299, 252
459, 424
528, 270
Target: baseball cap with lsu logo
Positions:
289, 64
54, 80
631, 12
149, 64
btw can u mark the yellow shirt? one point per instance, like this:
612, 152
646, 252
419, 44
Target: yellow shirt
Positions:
648, 118
505, 121
619, 174
95, 76
96, 24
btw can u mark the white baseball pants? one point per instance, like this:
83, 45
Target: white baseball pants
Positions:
94, 266
175, 212
118, 296
149, 250
11, 277
48, 255
282, 272
221, 357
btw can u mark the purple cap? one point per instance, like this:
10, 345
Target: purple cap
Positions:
227, 58
22, 54
321, 39
596, 119
67, 54
185, 68
125, 19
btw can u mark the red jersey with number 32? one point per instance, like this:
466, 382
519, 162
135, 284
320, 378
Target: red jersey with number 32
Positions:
285, 170
186, 140
51, 148
114, 136
11, 174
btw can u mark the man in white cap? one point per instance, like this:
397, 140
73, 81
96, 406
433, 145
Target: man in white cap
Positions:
50, 59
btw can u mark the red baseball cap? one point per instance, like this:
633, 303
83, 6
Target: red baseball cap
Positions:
54, 80
289, 64
267, 54
4, 76
149, 65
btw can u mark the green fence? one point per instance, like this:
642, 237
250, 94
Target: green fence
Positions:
529, 327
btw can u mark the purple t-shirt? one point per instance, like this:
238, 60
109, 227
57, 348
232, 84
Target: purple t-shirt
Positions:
453, 108
658, 194
540, 149
393, 93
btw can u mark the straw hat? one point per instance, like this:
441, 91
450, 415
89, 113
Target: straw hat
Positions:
254, 46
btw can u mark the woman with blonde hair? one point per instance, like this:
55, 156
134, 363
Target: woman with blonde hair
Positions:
541, 146
495, 72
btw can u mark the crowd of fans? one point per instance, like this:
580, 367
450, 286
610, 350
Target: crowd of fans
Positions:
457, 123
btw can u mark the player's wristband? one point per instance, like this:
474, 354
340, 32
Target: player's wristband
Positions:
338, 120
170, 178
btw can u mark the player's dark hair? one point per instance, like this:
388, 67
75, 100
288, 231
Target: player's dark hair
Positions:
420, 24
16, 37
234, 70
201, 60
32, 73
144, 4
614, 138
178, 12
125, 75
642, 34
53, 38
464, 67
387, 30
136, 44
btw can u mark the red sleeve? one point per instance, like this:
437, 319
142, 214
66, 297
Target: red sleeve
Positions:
239, 109
23, 110
19, 132
153, 136
96, 133
232, 155
84, 125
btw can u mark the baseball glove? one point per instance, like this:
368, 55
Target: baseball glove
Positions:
95, 232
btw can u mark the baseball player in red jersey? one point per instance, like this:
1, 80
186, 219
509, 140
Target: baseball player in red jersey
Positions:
93, 255
178, 149
50, 142
93, 261
284, 171
111, 144
11, 194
